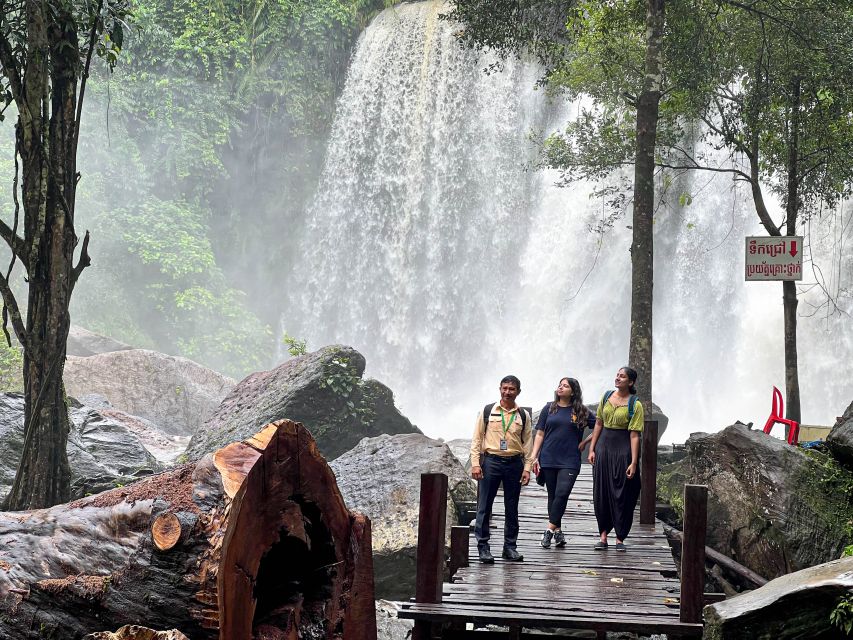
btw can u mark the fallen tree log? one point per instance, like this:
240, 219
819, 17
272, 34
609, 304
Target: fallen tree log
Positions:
251, 542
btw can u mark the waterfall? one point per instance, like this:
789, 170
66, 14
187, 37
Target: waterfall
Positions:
435, 248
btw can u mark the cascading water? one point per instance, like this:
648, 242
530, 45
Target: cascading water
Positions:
434, 249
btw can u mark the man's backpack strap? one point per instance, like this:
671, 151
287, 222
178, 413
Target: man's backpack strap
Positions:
486, 411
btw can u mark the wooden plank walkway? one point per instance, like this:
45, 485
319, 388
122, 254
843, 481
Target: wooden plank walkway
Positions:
572, 587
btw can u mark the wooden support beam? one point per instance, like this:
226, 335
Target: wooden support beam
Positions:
723, 560
459, 537
693, 552
649, 472
432, 521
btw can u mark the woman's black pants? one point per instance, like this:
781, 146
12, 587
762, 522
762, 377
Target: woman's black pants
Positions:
559, 483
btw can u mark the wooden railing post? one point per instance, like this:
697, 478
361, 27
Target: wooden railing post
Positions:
649, 472
459, 537
693, 552
432, 518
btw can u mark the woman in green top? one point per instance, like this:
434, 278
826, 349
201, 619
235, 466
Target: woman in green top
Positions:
614, 451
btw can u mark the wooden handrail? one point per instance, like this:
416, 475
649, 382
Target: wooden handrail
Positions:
649, 472
432, 517
693, 552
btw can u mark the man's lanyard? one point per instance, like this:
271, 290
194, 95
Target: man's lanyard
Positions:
503, 420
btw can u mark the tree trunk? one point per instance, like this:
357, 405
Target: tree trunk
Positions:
253, 541
642, 247
789, 288
48, 154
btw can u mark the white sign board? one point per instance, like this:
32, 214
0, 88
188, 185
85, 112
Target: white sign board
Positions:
774, 257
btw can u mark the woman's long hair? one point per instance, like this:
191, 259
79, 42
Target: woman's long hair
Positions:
577, 405
632, 376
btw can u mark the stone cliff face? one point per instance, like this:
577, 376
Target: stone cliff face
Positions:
323, 390
772, 507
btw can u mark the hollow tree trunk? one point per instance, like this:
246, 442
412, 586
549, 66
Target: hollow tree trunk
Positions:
253, 541
642, 246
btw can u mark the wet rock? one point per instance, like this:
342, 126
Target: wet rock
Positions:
175, 393
323, 390
82, 342
797, 605
388, 625
840, 439
772, 507
461, 448
103, 451
381, 478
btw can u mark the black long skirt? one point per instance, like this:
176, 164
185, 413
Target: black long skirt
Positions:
614, 496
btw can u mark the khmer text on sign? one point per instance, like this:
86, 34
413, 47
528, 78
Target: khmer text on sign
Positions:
774, 258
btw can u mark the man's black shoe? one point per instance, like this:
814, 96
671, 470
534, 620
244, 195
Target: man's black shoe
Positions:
486, 556
512, 555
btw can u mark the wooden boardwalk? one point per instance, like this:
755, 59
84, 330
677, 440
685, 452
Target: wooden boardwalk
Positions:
573, 587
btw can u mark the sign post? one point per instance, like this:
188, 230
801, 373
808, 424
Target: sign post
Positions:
774, 258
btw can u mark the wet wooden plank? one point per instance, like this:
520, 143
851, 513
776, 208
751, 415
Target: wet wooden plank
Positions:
574, 586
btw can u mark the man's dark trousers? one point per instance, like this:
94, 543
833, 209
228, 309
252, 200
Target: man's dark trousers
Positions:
497, 469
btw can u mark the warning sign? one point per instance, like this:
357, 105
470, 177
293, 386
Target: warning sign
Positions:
774, 258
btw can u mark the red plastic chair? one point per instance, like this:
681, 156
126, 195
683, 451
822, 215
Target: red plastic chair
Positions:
776, 413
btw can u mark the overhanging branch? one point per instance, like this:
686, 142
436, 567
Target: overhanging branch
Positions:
15, 242
10, 69
83, 262
11, 312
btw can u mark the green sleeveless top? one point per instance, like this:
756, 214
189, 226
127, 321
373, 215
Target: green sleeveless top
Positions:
617, 417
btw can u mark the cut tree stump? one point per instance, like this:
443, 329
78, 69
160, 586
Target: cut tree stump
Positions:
253, 542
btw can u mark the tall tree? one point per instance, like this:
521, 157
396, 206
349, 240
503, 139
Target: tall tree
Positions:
46, 49
769, 81
782, 79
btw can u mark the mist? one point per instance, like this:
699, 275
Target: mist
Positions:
385, 195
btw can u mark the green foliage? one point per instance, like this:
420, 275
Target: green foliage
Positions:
842, 615
832, 496
848, 551
341, 377
201, 146
295, 346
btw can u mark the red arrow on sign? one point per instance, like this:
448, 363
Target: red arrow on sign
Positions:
793, 248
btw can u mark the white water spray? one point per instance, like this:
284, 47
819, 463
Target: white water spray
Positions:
433, 249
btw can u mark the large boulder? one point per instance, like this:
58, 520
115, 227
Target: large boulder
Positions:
461, 448
165, 447
840, 439
82, 342
323, 390
102, 451
772, 507
797, 605
381, 477
175, 393
388, 625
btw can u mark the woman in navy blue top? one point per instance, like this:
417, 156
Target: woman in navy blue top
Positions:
557, 450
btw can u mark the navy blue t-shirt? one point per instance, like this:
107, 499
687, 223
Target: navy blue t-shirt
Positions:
562, 436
